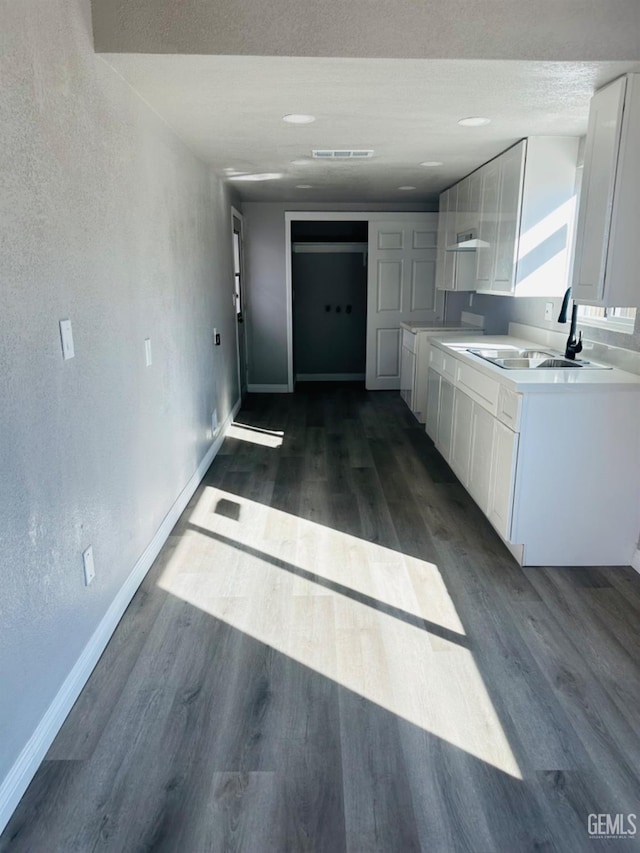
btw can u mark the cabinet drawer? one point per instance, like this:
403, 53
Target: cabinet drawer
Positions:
482, 388
509, 406
435, 358
449, 364
408, 340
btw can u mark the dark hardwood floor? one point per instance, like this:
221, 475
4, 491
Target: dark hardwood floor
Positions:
335, 652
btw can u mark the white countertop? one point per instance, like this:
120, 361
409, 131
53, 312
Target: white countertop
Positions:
415, 326
563, 379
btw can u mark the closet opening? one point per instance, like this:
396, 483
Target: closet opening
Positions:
329, 294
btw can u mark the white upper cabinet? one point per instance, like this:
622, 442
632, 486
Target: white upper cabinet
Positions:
455, 270
463, 212
522, 207
607, 245
508, 222
489, 195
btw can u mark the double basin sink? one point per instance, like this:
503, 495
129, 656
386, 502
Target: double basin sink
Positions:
512, 358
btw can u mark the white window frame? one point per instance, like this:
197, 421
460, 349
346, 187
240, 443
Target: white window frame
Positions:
626, 325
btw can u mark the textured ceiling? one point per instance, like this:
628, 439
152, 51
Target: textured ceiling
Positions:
229, 110
572, 30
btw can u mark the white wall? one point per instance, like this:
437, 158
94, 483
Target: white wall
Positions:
266, 289
106, 218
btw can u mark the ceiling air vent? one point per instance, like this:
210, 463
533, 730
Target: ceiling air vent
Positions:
341, 153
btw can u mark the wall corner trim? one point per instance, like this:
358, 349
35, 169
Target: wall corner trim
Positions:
268, 389
635, 561
24, 768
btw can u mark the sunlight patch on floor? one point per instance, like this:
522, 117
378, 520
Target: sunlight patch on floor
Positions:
265, 438
376, 621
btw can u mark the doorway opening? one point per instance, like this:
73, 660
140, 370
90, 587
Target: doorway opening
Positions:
329, 295
237, 225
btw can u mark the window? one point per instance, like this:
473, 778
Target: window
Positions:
614, 319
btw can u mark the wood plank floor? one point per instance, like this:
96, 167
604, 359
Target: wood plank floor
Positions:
334, 652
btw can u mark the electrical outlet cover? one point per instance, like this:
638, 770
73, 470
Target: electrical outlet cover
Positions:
89, 566
66, 336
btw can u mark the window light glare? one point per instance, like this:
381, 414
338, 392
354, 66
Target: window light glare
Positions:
303, 186
406, 188
298, 118
259, 176
474, 121
432, 164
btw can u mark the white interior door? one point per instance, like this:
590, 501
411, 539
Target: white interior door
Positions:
401, 286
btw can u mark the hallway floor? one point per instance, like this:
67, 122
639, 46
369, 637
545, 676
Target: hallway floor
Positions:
334, 651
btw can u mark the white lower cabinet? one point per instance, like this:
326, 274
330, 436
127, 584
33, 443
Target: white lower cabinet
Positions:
445, 418
504, 456
407, 376
515, 451
482, 431
433, 404
461, 435
469, 433
483, 456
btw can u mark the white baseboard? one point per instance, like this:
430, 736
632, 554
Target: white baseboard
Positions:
268, 389
24, 768
635, 561
330, 377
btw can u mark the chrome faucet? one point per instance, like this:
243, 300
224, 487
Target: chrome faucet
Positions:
574, 345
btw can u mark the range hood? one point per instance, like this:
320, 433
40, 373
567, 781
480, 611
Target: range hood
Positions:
467, 242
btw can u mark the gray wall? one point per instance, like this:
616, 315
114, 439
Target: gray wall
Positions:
109, 220
266, 282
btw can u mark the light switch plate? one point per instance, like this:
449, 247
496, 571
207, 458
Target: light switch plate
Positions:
89, 566
147, 352
548, 311
66, 336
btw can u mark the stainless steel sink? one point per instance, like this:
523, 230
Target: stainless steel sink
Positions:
512, 358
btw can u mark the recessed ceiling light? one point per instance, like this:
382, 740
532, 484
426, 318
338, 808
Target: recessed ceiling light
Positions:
432, 164
474, 121
406, 188
260, 176
303, 186
298, 118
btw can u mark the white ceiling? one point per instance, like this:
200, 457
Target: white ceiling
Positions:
558, 30
228, 109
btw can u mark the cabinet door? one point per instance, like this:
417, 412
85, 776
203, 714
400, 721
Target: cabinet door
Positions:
503, 477
461, 436
407, 366
508, 218
442, 239
433, 404
420, 379
596, 198
445, 418
475, 197
462, 207
482, 424
485, 256
450, 238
